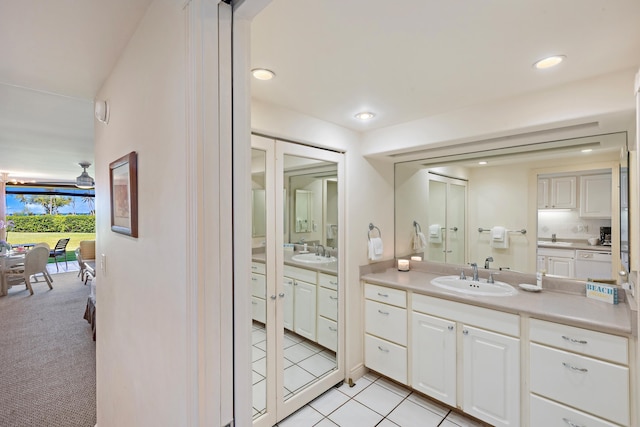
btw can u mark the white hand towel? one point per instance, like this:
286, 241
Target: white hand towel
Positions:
419, 241
499, 237
435, 233
375, 248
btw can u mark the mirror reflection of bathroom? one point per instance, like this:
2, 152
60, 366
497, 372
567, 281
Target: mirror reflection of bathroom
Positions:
501, 191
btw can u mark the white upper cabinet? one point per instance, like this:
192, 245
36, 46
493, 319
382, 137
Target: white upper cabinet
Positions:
595, 196
557, 193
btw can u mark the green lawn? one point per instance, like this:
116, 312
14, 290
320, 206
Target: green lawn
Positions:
16, 238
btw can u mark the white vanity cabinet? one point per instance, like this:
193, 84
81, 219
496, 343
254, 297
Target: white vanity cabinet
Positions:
304, 300
457, 344
258, 292
577, 376
328, 311
557, 193
559, 262
595, 196
385, 346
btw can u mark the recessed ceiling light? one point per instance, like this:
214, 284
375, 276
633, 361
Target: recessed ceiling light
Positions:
263, 74
482, 162
365, 115
549, 62
587, 150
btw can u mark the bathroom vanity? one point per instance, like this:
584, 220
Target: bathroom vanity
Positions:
533, 359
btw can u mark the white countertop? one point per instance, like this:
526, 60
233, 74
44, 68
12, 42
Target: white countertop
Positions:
329, 267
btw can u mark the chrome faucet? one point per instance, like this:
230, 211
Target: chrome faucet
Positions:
475, 272
318, 250
487, 261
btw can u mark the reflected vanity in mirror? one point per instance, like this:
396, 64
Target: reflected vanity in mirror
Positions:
296, 349
460, 200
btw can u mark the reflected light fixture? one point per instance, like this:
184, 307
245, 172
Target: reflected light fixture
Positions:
365, 115
263, 74
482, 162
84, 180
586, 150
549, 62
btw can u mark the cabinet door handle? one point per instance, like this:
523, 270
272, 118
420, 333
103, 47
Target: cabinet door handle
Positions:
450, 327
254, 279
574, 368
332, 329
333, 298
383, 349
383, 295
573, 340
254, 303
333, 283
253, 267
571, 423
384, 313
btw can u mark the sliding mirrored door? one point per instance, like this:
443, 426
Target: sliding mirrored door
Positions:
300, 351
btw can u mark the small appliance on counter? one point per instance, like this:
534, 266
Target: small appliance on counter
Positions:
605, 236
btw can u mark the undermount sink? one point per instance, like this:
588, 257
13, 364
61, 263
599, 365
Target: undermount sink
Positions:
543, 242
312, 258
471, 287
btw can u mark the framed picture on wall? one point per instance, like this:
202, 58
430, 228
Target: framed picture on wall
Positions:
123, 181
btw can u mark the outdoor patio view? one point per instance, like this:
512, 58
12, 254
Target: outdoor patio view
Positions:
35, 218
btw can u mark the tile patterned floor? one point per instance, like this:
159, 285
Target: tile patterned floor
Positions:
375, 401
305, 361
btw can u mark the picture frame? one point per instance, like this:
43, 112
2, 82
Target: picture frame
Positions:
123, 185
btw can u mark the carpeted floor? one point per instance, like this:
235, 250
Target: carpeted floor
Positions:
47, 356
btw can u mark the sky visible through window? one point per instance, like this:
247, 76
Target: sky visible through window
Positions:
79, 204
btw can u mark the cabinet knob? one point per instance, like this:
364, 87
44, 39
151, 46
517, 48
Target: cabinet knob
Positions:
465, 332
450, 327
272, 297
571, 423
573, 340
574, 368
281, 294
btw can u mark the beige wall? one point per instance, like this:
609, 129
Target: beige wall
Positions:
142, 365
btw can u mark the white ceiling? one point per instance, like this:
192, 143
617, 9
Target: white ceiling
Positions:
55, 55
415, 58
402, 60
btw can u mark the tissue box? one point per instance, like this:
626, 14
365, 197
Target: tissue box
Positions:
602, 292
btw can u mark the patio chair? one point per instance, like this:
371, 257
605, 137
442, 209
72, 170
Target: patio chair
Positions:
87, 253
60, 250
35, 261
45, 272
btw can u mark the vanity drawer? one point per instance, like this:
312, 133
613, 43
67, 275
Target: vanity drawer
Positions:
545, 413
259, 309
300, 274
258, 285
327, 333
584, 341
386, 321
492, 320
258, 267
328, 281
386, 358
599, 387
328, 303
386, 295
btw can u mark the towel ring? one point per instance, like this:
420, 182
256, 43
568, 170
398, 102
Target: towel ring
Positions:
371, 228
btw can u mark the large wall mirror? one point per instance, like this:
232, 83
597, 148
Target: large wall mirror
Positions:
457, 202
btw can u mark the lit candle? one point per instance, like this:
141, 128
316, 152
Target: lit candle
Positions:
403, 265
416, 258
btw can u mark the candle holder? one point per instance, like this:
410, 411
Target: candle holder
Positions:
403, 265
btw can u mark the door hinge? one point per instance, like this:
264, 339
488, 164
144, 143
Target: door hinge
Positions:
231, 424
